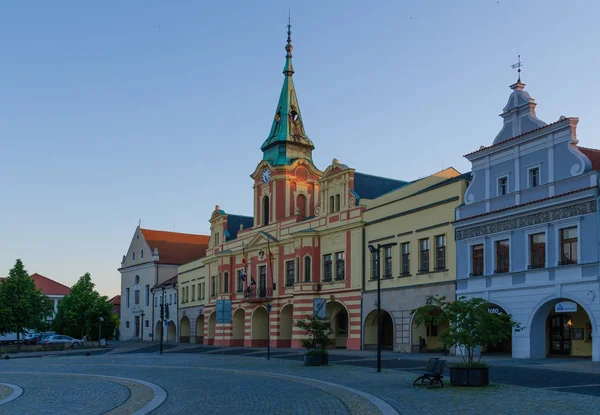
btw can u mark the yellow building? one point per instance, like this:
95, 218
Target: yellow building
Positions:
412, 226
192, 281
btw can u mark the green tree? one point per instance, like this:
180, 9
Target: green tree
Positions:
470, 324
318, 331
79, 312
22, 306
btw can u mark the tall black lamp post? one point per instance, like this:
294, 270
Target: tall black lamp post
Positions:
376, 251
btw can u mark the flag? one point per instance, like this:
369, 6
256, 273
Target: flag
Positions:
243, 275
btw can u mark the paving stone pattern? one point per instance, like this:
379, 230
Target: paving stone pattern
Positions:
208, 383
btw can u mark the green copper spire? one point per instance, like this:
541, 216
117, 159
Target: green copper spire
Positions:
287, 140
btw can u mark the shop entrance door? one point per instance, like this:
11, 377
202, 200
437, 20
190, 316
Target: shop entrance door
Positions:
560, 335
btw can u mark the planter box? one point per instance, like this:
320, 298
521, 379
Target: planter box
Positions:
316, 360
469, 376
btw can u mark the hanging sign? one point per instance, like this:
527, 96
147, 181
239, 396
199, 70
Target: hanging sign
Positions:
223, 311
319, 307
565, 307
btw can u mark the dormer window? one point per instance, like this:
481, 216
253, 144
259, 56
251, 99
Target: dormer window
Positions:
334, 203
503, 186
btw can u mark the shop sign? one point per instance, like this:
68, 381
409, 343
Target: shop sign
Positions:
565, 307
494, 309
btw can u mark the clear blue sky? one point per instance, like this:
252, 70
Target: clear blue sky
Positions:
115, 111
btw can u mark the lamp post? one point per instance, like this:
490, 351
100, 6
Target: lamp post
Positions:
376, 251
100, 320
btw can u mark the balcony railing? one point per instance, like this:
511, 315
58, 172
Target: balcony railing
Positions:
258, 294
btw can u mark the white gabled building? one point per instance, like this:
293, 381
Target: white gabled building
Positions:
152, 258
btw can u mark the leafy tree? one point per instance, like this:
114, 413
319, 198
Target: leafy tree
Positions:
318, 331
470, 324
79, 312
22, 306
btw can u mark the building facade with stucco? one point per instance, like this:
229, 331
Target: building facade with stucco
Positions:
412, 227
527, 233
151, 259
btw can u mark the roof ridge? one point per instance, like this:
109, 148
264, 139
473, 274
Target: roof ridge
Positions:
50, 279
172, 232
380, 177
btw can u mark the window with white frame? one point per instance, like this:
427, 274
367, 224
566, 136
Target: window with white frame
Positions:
502, 256
340, 266
406, 258
424, 255
537, 250
147, 293
127, 297
289, 274
388, 262
533, 176
502, 185
568, 246
477, 263
440, 252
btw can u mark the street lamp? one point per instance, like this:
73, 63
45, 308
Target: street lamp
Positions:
101, 319
376, 251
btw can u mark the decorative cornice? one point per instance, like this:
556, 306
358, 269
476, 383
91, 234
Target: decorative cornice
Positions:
578, 209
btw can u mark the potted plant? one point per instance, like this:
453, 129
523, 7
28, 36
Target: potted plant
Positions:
469, 325
318, 331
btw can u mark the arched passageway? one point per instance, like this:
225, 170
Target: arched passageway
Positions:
338, 316
260, 327
425, 337
561, 327
239, 327
184, 330
172, 332
286, 324
200, 329
370, 330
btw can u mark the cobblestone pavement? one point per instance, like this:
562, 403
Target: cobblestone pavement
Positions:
209, 383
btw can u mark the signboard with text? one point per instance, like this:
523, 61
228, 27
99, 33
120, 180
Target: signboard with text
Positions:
565, 307
223, 311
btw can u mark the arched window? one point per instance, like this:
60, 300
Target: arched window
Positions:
297, 269
226, 282
265, 211
306, 269
301, 206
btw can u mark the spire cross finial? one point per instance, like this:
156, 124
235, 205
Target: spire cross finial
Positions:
289, 27
517, 66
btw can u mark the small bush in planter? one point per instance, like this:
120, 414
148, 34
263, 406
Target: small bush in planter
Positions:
318, 331
470, 325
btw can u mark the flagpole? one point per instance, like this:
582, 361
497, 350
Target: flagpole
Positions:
271, 265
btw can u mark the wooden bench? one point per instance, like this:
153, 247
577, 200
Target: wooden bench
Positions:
433, 374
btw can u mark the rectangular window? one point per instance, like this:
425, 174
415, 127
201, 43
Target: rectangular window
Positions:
502, 256
226, 282
127, 324
331, 204
170, 298
175, 298
327, 263
340, 266
297, 269
155, 301
217, 239
568, 243
193, 292
388, 262
307, 269
534, 177
476, 260
424, 255
147, 323
240, 281
440, 252
290, 272
374, 265
406, 258
213, 287
127, 297
537, 251
136, 294
502, 186
337, 203
147, 292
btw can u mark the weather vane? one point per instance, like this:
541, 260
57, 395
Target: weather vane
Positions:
517, 66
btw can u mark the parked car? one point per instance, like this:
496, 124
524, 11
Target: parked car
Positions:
58, 340
31, 338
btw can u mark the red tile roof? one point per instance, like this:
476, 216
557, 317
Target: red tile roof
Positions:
518, 136
48, 286
524, 204
116, 300
170, 281
593, 155
176, 248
